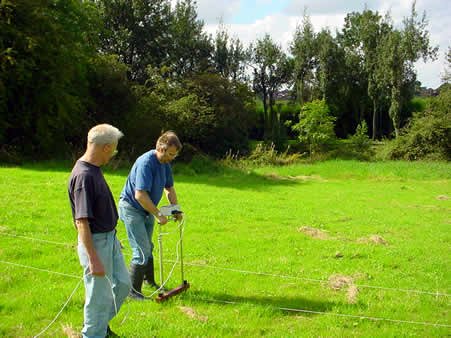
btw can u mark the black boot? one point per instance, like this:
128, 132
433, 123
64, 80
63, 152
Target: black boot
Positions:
137, 276
150, 274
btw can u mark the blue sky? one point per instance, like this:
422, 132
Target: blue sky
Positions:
252, 10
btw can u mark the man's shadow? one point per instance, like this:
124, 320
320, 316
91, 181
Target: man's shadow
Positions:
288, 305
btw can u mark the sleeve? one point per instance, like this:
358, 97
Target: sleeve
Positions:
144, 177
84, 197
169, 178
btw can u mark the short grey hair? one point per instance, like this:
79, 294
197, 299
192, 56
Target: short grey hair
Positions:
104, 134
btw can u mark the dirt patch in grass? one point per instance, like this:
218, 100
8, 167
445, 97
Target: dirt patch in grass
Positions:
373, 239
442, 197
340, 282
191, 313
70, 332
314, 233
275, 176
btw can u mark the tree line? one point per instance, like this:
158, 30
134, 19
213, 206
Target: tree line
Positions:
147, 66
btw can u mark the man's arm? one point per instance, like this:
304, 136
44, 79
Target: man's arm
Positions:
171, 195
84, 233
143, 198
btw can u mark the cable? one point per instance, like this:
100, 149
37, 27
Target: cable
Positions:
279, 308
44, 270
181, 226
269, 274
335, 314
35, 239
319, 280
60, 311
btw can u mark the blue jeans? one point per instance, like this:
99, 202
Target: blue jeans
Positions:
100, 303
139, 227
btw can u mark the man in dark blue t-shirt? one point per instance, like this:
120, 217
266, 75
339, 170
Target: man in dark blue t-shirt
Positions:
150, 175
105, 275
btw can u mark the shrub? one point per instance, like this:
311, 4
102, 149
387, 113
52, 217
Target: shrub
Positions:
316, 125
263, 154
427, 135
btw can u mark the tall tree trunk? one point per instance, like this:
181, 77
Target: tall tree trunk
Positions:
374, 120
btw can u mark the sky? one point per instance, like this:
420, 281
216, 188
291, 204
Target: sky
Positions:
251, 19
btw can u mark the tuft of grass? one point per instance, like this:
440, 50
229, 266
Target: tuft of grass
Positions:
246, 256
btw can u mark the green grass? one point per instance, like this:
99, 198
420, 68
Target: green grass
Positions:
240, 223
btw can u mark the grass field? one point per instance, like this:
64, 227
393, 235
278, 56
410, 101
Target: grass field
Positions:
338, 248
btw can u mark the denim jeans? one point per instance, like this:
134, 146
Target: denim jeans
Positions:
100, 303
139, 227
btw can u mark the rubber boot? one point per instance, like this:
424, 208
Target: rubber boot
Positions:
150, 274
137, 276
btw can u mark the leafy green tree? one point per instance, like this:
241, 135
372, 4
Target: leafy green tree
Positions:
229, 56
446, 78
304, 51
404, 48
316, 125
272, 69
190, 47
45, 48
138, 32
362, 34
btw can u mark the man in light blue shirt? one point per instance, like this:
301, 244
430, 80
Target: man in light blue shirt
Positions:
150, 175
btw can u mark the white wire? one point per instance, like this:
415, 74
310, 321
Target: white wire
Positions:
60, 311
44, 270
181, 226
112, 293
267, 274
282, 308
335, 314
319, 280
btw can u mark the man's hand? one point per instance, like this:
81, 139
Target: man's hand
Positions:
178, 216
96, 267
162, 219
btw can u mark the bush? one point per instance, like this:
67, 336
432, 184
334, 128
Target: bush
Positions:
262, 154
316, 125
427, 135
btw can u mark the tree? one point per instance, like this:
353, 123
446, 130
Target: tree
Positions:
138, 32
272, 68
45, 49
190, 48
446, 78
304, 51
401, 49
316, 126
229, 56
362, 34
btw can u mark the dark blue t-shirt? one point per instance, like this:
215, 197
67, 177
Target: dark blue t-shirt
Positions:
91, 198
150, 175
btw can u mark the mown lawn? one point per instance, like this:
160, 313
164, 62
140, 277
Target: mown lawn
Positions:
338, 248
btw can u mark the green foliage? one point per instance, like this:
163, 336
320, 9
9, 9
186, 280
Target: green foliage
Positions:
225, 107
44, 51
428, 134
316, 126
272, 69
263, 154
360, 140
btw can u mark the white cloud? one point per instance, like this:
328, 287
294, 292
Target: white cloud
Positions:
325, 13
213, 12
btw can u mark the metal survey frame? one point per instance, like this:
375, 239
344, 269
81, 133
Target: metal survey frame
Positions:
163, 295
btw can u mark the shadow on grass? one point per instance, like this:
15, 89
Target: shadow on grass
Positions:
217, 175
288, 305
